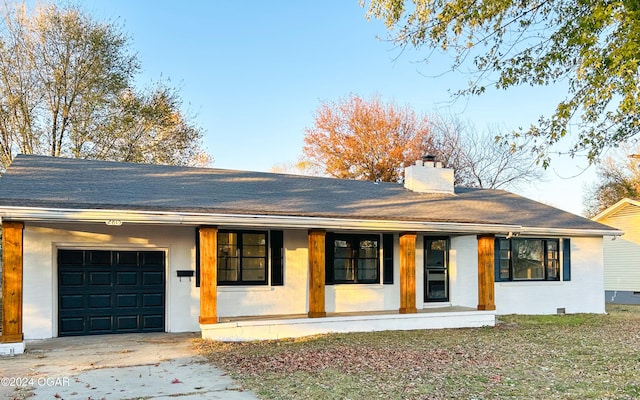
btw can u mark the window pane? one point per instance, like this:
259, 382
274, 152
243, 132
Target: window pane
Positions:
253, 251
226, 250
342, 249
228, 269
436, 250
227, 244
227, 238
368, 249
528, 259
354, 258
343, 270
367, 270
504, 244
553, 270
505, 254
553, 260
436, 284
254, 245
254, 239
504, 269
253, 269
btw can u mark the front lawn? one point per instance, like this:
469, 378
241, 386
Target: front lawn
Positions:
523, 357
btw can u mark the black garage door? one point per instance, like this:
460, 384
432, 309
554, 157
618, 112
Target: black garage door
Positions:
102, 292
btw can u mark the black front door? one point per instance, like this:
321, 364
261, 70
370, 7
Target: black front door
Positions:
436, 269
102, 292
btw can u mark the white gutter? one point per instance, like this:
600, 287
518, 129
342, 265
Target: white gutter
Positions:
119, 217
569, 232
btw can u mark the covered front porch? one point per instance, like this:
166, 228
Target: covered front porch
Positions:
320, 320
292, 326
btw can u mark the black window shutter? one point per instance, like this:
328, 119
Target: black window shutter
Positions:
566, 259
387, 260
496, 259
197, 257
328, 259
277, 258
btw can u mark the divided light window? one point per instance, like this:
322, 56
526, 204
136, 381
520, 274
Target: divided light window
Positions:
528, 259
242, 258
353, 259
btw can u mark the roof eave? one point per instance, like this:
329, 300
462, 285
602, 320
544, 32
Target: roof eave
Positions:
614, 208
118, 217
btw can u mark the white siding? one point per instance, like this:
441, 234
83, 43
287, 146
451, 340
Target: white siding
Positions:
583, 294
622, 255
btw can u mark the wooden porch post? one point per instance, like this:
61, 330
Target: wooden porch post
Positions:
316, 273
12, 282
486, 297
208, 237
408, 273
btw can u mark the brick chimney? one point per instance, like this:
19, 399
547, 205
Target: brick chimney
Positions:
428, 176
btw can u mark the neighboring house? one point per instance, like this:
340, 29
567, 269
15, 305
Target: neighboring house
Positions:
622, 254
94, 247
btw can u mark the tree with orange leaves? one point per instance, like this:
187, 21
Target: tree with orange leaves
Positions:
372, 140
366, 139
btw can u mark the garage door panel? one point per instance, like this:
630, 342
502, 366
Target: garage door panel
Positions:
72, 302
152, 278
99, 278
121, 297
151, 258
152, 300
98, 257
72, 325
127, 300
126, 278
101, 323
152, 322
71, 278
127, 322
126, 258
71, 257
97, 301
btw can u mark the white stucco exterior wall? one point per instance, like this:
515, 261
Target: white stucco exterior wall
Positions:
463, 271
583, 294
368, 297
291, 298
42, 241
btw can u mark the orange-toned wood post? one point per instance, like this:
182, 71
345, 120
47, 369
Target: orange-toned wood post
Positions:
208, 237
316, 273
486, 281
408, 273
12, 282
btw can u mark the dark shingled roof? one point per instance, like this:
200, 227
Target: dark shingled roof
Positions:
48, 182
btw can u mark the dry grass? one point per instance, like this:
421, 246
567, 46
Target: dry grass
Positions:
523, 357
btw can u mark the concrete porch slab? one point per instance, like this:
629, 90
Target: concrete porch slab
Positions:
287, 327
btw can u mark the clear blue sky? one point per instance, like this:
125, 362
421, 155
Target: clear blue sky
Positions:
254, 72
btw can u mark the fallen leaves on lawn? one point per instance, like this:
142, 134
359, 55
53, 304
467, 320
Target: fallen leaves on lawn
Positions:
348, 360
523, 357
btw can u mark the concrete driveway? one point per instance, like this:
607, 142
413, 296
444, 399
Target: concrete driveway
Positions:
115, 367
